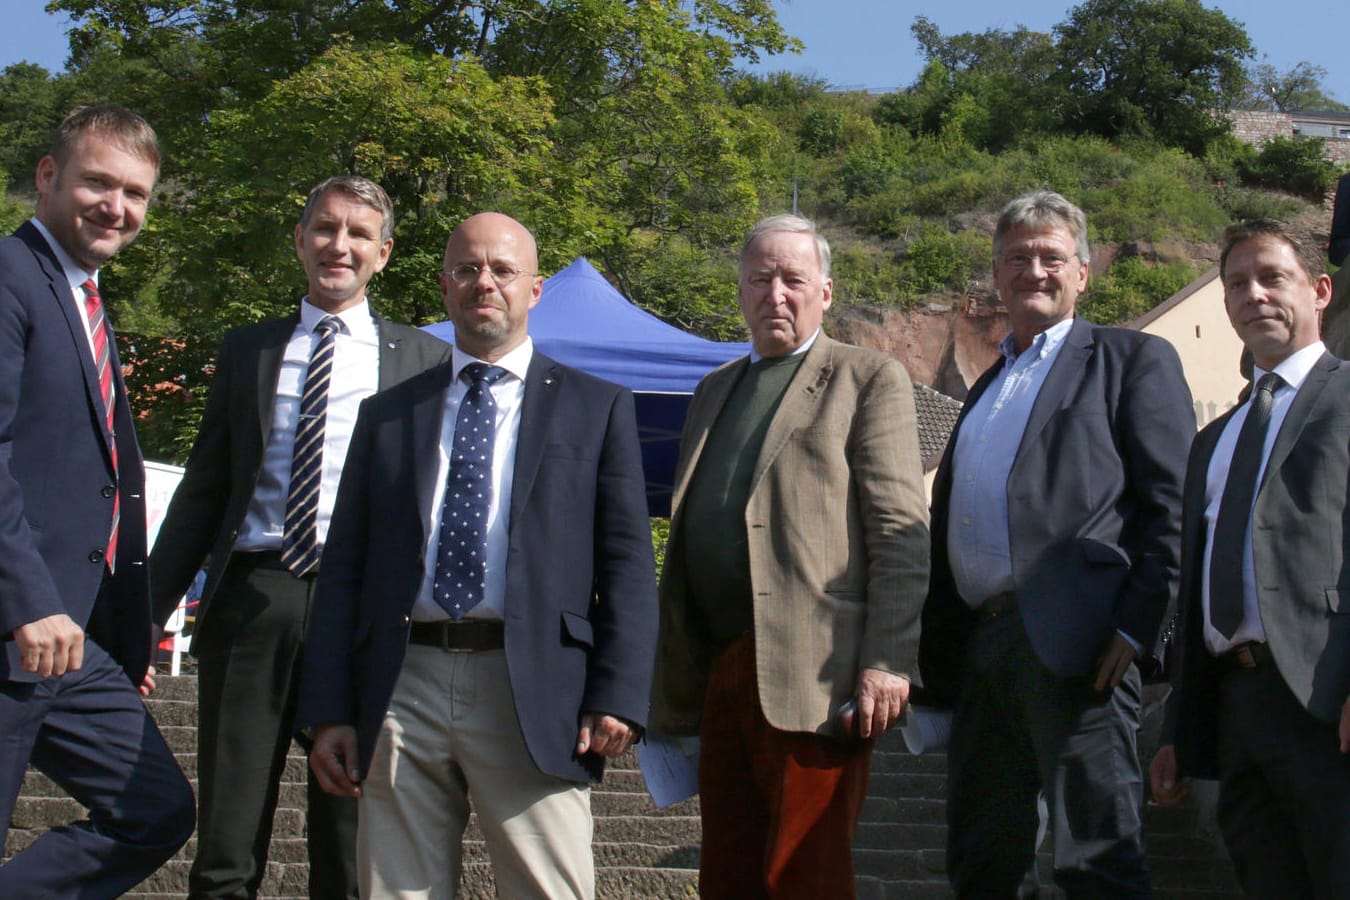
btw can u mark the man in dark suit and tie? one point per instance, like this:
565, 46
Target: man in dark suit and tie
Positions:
255, 501
793, 582
74, 603
1056, 520
486, 612
1262, 656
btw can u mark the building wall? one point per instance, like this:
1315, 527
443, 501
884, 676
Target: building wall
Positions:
1197, 326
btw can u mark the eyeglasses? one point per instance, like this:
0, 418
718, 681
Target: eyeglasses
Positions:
1052, 263
467, 273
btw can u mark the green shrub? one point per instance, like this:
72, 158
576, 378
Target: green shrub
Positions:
939, 260
1296, 165
1131, 288
866, 274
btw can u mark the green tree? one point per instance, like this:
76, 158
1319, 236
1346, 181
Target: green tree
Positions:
1152, 68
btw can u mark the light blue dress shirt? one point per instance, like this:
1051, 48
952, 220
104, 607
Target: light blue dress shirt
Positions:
978, 540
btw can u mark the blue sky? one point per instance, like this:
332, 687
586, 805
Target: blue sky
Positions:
867, 44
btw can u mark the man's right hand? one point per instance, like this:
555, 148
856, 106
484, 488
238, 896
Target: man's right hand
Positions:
334, 761
1167, 788
50, 646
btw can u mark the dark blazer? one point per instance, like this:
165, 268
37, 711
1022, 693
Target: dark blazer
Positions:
209, 506
1338, 247
1300, 546
1094, 506
56, 474
580, 612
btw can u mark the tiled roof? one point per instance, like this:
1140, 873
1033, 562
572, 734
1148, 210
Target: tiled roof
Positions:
937, 417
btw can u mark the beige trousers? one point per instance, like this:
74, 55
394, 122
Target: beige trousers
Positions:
449, 739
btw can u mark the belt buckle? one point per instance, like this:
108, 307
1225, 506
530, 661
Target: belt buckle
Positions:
445, 639
1244, 658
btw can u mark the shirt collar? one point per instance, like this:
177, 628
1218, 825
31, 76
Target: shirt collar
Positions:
1042, 345
71, 269
356, 320
1294, 368
517, 361
756, 356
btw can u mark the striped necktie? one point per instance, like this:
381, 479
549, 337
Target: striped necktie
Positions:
98, 337
461, 554
300, 540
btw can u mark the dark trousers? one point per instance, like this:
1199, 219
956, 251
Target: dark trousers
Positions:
1020, 730
248, 673
90, 733
1284, 792
779, 807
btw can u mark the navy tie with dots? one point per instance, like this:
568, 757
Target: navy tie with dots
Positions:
461, 556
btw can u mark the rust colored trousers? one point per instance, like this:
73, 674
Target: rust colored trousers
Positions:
779, 807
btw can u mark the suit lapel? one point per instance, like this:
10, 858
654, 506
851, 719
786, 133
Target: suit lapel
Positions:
389, 370
79, 333
270, 354
716, 390
428, 413
1299, 409
1061, 383
537, 411
798, 407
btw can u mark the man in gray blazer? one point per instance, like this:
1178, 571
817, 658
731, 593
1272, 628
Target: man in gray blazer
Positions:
792, 585
1263, 644
238, 509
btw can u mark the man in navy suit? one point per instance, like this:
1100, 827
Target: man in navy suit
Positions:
232, 509
74, 602
485, 618
1261, 688
1056, 519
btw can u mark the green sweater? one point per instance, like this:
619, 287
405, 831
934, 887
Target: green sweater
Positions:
713, 517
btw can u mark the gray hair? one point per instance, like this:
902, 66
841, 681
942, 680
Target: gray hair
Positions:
792, 224
360, 189
1043, 209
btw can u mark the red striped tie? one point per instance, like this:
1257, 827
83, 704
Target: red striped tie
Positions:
98, 335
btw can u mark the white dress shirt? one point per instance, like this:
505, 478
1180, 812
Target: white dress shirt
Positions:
1294, 371
509, 394
356, 375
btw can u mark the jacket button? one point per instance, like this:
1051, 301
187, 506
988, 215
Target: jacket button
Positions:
96, 556
108, 491
407, 621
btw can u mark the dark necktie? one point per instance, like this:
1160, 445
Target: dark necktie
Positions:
1229, 550
461, 554
300, 540
98, 335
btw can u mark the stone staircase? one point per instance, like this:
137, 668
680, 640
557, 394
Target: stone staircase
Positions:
643, 853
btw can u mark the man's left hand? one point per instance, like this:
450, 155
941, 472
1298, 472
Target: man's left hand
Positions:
882, 697
1115, 662
607, 735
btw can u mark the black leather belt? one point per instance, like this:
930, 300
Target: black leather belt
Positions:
996, 606
269, 559
464, 636
1250, 655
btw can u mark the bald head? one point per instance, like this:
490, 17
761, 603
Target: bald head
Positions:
489, 284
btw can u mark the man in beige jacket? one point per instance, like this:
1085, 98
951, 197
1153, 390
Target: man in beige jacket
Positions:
796, 570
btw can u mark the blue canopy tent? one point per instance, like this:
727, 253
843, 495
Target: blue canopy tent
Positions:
582, 321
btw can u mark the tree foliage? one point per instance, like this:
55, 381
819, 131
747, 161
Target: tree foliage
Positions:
1300, 87
1150, 68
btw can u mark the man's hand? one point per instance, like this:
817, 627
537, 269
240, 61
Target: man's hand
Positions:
1345, 727
882, 697
147, 685
607, 735
1115, 662
1167, 788
334, 760
50, 646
